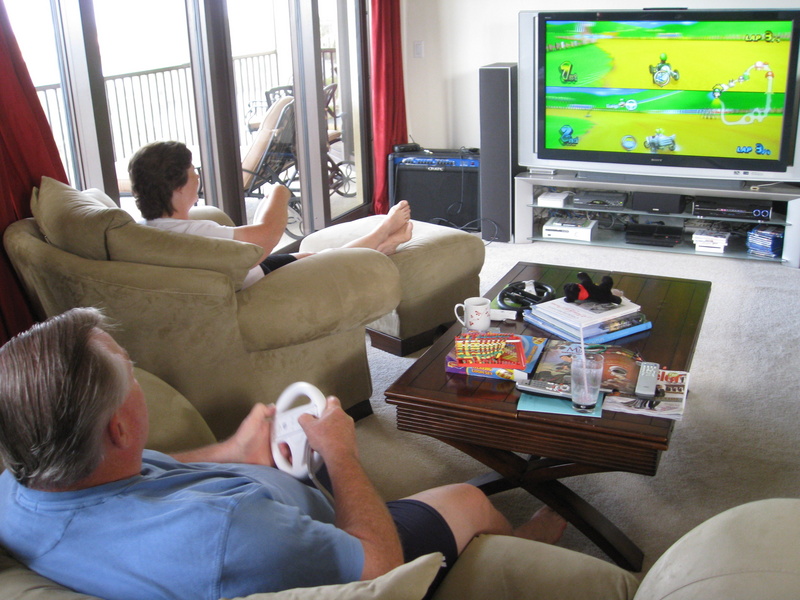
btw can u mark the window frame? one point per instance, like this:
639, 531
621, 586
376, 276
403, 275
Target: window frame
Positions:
213, 81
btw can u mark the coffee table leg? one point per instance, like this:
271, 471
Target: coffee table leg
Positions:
589, 521
511, 471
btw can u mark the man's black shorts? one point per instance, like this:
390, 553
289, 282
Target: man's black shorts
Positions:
423, 530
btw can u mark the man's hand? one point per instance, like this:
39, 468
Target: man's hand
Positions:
250, 444
333, 433
360, 511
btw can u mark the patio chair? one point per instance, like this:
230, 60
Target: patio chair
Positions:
272, 151
329, 92
276, 93
277, 163
271, 160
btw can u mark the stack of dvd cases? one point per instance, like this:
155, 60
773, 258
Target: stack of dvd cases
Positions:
765, 241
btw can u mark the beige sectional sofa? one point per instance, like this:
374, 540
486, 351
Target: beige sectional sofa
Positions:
747, 553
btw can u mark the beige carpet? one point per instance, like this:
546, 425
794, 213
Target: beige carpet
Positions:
737, 442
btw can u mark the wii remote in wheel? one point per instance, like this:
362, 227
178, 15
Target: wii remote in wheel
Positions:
286, 429
646, 383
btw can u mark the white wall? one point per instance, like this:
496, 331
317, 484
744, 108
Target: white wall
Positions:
460, 36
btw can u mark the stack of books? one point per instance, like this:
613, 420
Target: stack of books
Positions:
595, 322
707, 240
765, 241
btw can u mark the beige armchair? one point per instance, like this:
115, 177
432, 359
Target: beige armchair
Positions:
182, 313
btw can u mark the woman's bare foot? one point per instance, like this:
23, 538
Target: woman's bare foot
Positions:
400, 236
546, 526
398, 216
392, 231
396, 220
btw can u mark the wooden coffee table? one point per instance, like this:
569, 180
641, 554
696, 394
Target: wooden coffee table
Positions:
479, 415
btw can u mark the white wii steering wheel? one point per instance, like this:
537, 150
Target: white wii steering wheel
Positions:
286, 429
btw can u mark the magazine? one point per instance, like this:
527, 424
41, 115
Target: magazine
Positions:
532, 348
669, 403
552, 373
585, 313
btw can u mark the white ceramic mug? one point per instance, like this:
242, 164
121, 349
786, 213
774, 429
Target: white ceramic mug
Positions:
476, 316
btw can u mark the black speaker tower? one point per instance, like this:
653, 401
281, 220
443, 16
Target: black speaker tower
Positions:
498, 128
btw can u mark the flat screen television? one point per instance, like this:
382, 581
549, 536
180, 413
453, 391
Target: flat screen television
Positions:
688, 94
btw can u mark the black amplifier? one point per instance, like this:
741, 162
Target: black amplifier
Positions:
441, 186
732, 208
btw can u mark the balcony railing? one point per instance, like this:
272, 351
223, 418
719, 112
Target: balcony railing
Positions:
153, 105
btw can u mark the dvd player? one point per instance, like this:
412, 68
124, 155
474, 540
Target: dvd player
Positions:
653, 235
732, 209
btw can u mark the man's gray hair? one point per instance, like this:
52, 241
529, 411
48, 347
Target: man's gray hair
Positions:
59, 387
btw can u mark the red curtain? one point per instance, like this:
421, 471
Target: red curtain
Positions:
388, 94
27, 151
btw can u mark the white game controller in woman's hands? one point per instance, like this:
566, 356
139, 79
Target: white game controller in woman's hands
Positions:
286, 429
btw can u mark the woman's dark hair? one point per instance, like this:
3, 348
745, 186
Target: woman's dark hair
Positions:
157, 170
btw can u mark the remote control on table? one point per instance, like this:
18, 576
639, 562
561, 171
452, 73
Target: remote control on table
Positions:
646, 384
543, 387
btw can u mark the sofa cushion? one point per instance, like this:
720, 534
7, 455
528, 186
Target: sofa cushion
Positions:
749, 551
147, 245
76, 221
407, 582
502, 567
175, 425
91, 226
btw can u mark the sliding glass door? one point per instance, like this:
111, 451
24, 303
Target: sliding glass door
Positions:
298, 102
340, 37
154, 66
147, 78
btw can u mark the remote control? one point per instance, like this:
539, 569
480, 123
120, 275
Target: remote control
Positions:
544, 387
646, 384
286, 429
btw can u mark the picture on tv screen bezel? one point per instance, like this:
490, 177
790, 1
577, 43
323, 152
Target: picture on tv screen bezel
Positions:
702, 89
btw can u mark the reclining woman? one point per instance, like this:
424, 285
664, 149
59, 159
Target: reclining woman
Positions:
165, 184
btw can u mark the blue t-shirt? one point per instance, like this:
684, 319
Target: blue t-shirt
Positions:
191, 531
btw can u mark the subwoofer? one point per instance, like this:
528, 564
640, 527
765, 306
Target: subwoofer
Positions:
441, 186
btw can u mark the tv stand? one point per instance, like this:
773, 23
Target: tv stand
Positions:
529, 215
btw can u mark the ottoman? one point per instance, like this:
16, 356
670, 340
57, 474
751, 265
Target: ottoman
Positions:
439, 267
